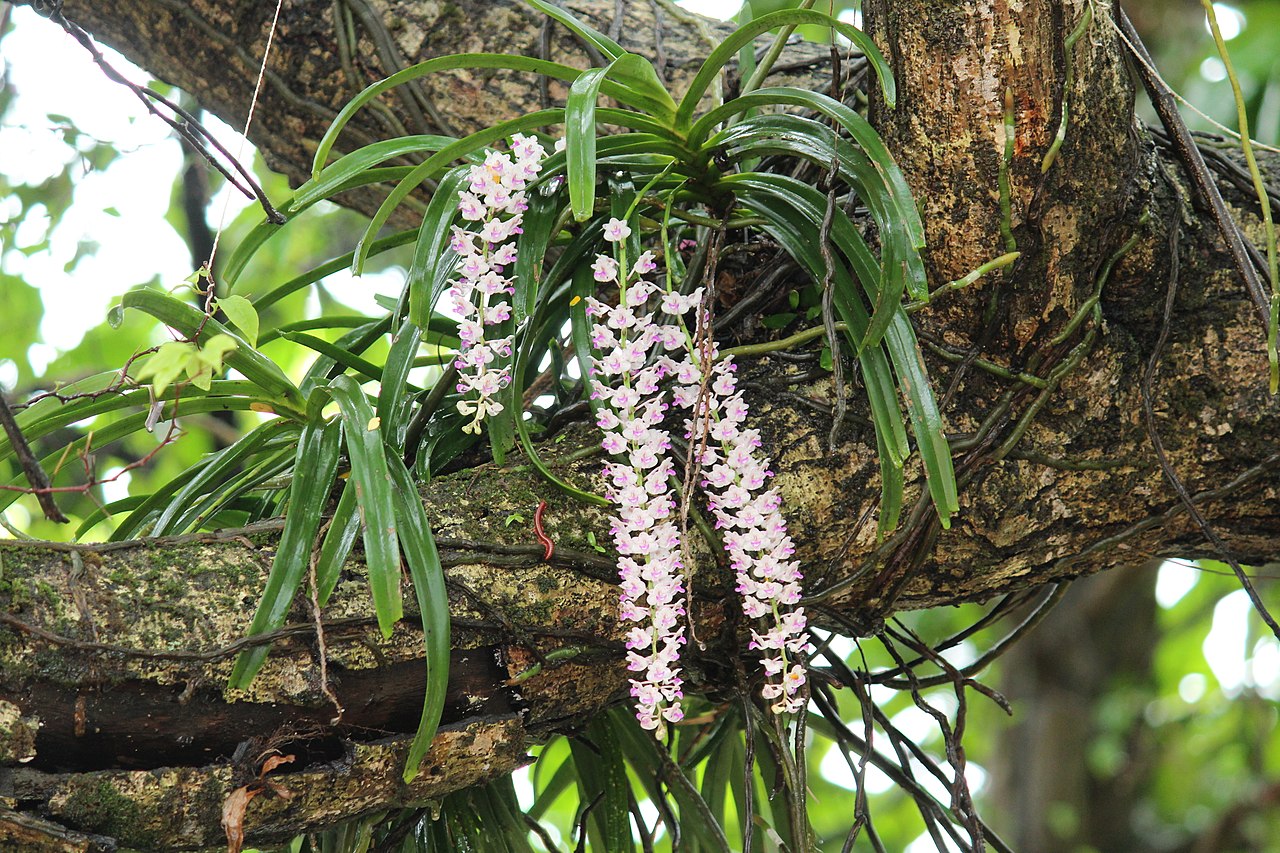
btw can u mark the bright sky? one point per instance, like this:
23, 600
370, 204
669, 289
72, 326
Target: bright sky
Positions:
122, 210
54, 75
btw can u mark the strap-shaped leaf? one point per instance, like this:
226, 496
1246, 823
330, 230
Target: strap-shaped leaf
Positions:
328, 268
631, 88
324, 321
804, 137
560, 780
433, 603
48, 415
139, 520
882, 281
350, 166
52, 407
502, 795
426, 281
445, 443
800, 238
102, 513
638, 151
650, 762
394, 391
315, 466
538, 228
187, 320
335, 353
637, 74
128, 424
235, 265
354, 342
786, 205
772, 813
272, 463
375, 497
891, 491
744, 35
217, 468
584, 286
721, 768
926, 418
580, 141
899, 338
344, 527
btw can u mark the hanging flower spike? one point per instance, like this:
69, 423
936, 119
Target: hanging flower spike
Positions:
647, 540
495, 200
755, 533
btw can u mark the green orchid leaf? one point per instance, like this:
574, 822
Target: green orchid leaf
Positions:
427, 574
344, 527
610, 48
315, 467
350, 345
433, 264
328, 268
338, 175
336, 353
375, 496
219, 468
602, 777
435, 165
858, 128
580, 139
394, 390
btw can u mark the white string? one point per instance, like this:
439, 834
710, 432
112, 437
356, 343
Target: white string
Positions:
244, 137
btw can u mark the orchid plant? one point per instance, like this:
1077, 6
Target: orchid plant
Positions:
630, 340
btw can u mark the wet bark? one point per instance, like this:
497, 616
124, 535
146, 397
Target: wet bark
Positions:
1058, 474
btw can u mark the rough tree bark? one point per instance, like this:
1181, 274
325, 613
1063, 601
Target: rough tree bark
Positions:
101, 743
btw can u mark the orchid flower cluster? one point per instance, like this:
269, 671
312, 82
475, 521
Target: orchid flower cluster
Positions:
639, 347
495, 202
750, 516
626, 379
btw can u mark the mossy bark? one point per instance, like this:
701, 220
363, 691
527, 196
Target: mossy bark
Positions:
1058, 482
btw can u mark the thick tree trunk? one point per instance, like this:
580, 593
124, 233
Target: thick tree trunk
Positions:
1058, 473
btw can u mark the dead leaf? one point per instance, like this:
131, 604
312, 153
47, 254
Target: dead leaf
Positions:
233, 808
273, 762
